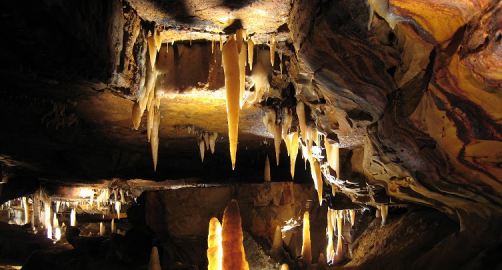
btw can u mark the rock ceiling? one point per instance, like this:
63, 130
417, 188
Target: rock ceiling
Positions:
415, 108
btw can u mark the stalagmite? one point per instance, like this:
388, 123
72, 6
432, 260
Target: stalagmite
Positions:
212, 141
26, 210
201, 149
234, 257
242, 69
154, 140
273, 44
277, 243
352, 216
113, 226
154, 263
57, 234
101, 229
306, 248
232, 85
294, 152
266, 174
73, 218
339, 247
118, 206
250, 53
152, 50
300, 111
136, 115
329, 249
284, 267
214, 249
384, 212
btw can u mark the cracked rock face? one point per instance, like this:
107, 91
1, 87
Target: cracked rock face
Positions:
415, 108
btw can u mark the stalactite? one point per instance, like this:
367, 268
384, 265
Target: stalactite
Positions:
113, 226
57, 234
280, 63
333, 156
118, 206
149, 123
300, 111
306, 248
286, 124
277, 142
154, 263
206, 140
232, 85
122, 196
49, 231
154, 140
260, 82
214, 248
73, 218
152, 50
250, 53
158, 40
234, 257
212, 45
352, 216
339, 247
26, 209
242, 68
384, 212
294, 152
212, 141
55, 221
136, 115
315, 168
91, 198
201, 149
329, 227
273, 44
266, 174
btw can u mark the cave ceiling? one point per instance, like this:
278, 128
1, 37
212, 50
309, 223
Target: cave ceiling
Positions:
411, 94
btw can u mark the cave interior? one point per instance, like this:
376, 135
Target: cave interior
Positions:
251, 134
